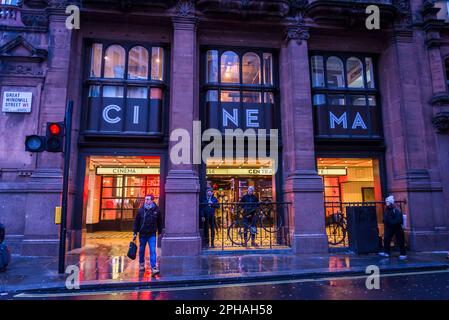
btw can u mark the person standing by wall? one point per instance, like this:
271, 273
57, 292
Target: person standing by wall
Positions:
209, 205
250, 203
148, 221
393, 221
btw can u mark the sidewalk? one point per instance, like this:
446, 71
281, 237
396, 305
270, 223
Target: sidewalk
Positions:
101, 269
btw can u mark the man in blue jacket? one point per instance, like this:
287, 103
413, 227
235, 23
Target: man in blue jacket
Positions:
209, 205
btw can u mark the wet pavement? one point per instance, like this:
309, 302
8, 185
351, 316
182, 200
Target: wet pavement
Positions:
426, 285
105, 265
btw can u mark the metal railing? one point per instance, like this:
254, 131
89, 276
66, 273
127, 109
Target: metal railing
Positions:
336, 223
237, 225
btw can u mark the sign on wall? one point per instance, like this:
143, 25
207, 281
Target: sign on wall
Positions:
128, 171
237, 172
125, 116
347, 122
17, 102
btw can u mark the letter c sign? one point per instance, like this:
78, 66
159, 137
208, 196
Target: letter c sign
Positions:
106, 111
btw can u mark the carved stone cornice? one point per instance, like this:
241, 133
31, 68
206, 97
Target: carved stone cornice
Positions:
30, 53
403, 19
185, 8
440, 99
35, 18
441, 122
297, 30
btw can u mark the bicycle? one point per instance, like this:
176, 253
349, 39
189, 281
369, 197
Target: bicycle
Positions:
336, 228
246, 225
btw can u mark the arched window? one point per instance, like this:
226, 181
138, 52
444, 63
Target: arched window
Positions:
317, 65
354, 73
138, 63
251, 68
335, 73
114, 66
230, 67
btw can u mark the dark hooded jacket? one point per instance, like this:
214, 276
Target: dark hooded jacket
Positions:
148, 221
249, 203
393, 217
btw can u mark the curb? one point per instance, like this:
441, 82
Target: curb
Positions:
189, 282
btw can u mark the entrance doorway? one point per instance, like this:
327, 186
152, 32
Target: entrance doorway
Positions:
348, 182
266, 227
114, 190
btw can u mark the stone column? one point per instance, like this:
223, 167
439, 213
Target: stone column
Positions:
412, 167
41, 234
181, 236
303, 187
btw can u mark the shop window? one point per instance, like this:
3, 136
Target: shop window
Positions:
157, 64
251, 68
10, 2
96, 56
212, 66
230, 67
114, 66
317, 71
344, 96
335, 73
354, 73
268, 68
138, 63
130, 106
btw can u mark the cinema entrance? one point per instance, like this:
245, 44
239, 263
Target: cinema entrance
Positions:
115, 188
233, 228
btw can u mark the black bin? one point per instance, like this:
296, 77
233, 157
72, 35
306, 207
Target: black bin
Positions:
363, 233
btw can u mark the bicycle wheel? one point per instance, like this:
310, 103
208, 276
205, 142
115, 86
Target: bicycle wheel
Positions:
236, 233
270, 223
336, 233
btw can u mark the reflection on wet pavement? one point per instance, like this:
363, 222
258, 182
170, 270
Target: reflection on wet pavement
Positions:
105, 261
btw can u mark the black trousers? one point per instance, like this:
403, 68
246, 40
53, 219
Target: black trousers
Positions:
209, 224
396, 232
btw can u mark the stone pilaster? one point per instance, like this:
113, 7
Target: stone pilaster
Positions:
412, 167
181, 237
303, 187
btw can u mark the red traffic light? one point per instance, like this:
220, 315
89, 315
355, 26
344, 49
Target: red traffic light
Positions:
54, 129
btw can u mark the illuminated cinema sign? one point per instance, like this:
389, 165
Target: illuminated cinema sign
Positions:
240, 171
332, 172
127, 171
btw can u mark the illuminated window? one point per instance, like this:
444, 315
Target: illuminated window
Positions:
251, 68
114, 66
138, 63
230, 67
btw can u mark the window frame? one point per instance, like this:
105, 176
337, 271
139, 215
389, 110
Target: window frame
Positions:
125, 82
348, 91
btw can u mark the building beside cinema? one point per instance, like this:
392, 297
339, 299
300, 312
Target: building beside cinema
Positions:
360, 114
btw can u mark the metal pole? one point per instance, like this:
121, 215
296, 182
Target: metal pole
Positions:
65, 186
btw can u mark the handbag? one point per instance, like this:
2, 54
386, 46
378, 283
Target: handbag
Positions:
132, 251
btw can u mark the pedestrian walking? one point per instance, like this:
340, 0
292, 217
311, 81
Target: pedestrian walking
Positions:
209, 205
393, 221
5, 254
147, 223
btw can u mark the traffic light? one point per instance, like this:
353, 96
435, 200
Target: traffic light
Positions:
34, 143
55, 137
